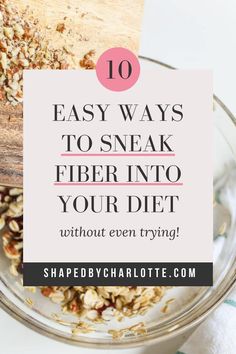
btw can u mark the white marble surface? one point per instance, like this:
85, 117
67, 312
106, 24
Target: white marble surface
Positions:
185, 34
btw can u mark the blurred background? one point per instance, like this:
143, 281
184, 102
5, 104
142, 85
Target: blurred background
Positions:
194, 34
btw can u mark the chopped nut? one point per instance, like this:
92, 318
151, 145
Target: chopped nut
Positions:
61, 27
23, 46
87, 62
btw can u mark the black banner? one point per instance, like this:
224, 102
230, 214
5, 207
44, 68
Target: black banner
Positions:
118, 274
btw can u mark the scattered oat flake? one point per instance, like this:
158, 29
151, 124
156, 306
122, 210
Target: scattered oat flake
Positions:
32, 289
29, 302
170, 301
138, 329
82, 327
55, 317
165, 309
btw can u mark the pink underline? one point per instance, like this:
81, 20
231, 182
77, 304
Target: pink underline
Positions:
118, 155
116, 184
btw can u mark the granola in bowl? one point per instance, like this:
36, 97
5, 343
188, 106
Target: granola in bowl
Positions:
166, 318
95, 303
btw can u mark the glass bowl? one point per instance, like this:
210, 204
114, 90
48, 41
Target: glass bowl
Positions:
191, 304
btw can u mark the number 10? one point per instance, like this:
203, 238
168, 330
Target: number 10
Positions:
124, 69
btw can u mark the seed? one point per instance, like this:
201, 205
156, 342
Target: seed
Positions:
13, 226
15, 191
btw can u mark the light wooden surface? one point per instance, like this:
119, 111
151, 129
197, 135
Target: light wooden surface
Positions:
89, 25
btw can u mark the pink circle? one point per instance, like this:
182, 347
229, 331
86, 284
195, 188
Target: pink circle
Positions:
118, 69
